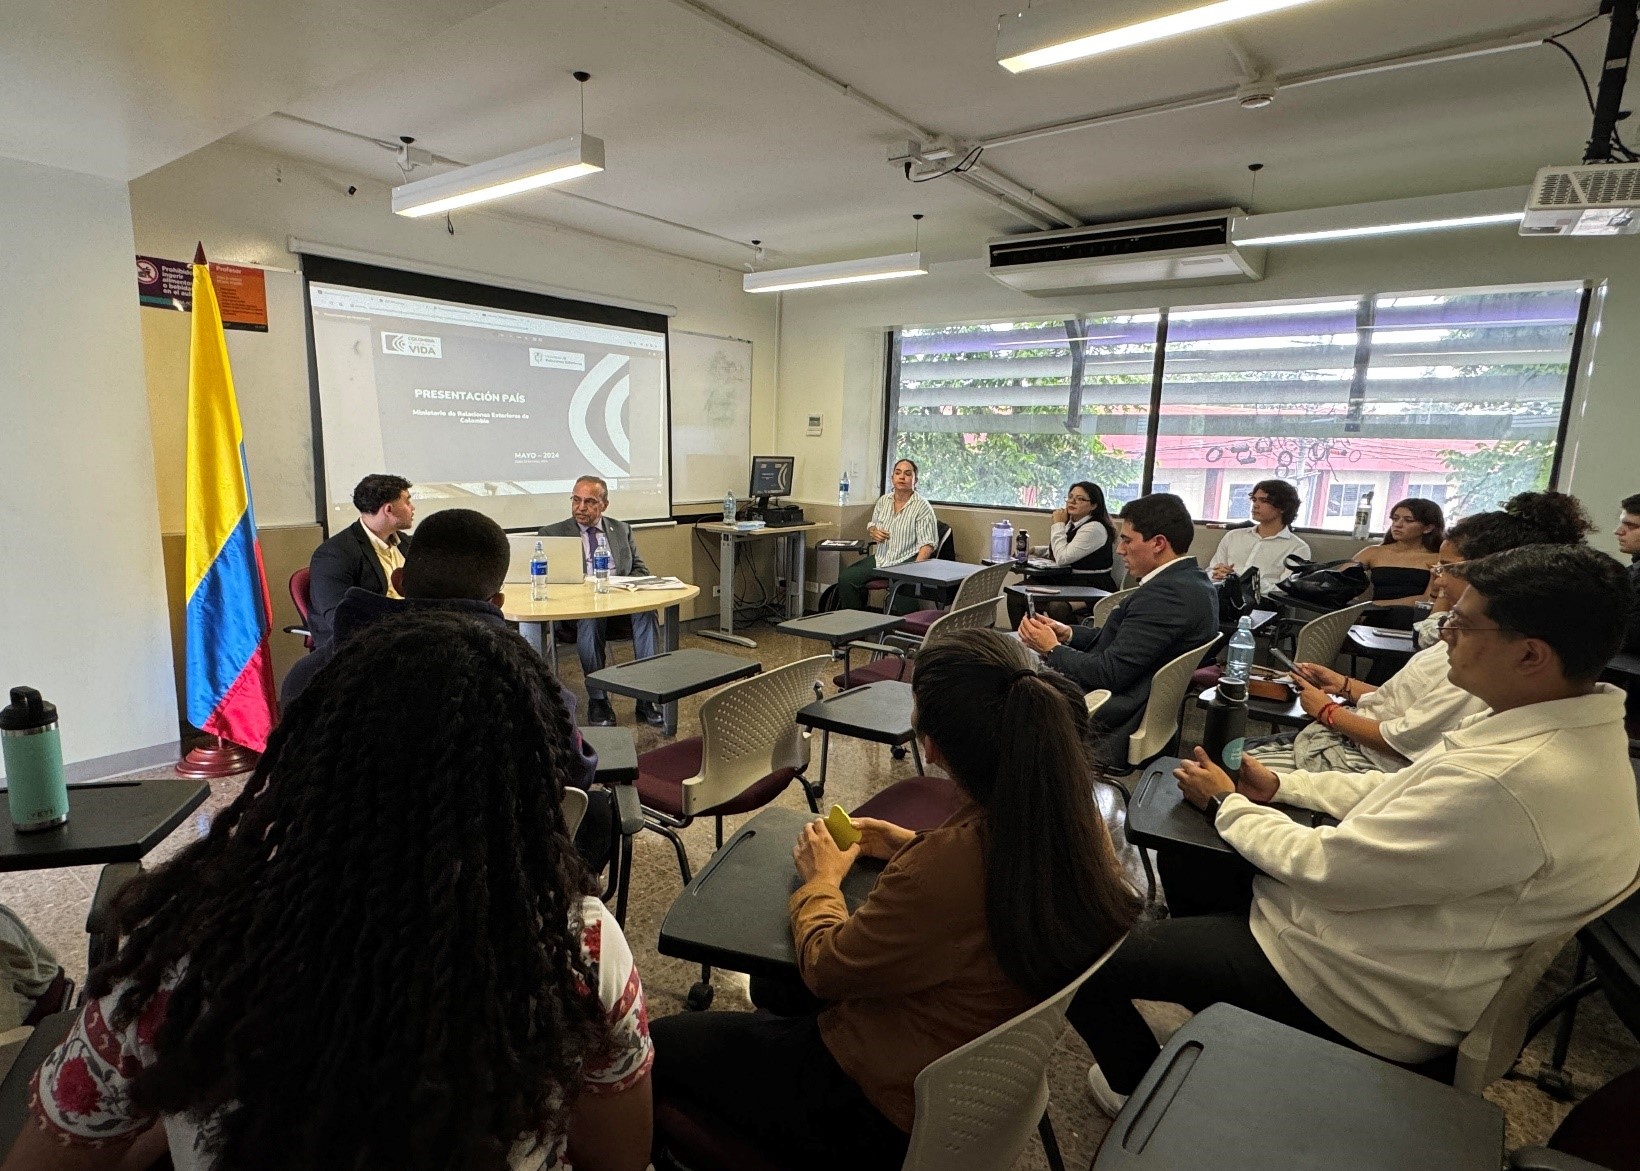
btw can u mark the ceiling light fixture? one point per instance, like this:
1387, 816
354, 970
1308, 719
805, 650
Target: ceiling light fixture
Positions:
1391, 217
841, 272
524, 170
1068, 31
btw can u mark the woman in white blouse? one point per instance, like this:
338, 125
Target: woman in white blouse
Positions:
904, 529
1082, 539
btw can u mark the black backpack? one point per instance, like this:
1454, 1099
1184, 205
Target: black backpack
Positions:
1238, 595
1324, 585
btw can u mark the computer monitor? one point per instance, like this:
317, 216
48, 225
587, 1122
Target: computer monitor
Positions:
772, 477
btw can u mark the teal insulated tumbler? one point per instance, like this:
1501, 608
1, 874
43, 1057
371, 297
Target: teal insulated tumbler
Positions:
36, 791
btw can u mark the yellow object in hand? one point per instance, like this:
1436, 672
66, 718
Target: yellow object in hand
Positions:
841, 828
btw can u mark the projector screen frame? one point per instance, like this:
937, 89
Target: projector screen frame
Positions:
379, 278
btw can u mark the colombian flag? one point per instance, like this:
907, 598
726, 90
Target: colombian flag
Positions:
230, 675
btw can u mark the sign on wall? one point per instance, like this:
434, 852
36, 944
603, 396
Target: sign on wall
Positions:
240, 290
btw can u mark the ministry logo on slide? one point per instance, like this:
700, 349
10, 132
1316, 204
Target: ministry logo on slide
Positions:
412, 345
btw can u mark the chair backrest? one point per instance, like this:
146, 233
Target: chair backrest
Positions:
749, 730
1103, 607
1096, 699
1168, 686
946, 546
983, 586
980, 616
301, 593
978, 1106
1490, 1049
1320, 640
575, 808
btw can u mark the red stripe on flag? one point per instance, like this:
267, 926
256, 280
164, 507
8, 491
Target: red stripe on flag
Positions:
245, 715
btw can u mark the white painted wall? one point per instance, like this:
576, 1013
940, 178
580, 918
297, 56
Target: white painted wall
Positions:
832, 357
244, 204
82, 587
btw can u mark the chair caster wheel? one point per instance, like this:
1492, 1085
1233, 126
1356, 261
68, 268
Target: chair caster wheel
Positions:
897, 752
699, 998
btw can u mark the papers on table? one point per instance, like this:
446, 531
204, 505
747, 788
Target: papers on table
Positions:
646, 583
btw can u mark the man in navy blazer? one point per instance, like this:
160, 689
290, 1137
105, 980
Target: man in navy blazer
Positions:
587, 502
1174, 609
364, 554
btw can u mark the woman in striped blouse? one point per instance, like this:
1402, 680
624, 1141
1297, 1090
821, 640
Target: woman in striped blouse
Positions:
904, 529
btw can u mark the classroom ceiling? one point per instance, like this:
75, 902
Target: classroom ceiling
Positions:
714, 138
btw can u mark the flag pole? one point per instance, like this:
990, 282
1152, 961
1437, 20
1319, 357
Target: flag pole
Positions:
219, 759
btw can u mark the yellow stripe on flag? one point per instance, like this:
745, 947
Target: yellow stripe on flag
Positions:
217, 497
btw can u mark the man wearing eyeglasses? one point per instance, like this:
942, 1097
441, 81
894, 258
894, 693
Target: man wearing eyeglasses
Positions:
1267, 545
1394, 929
587, 522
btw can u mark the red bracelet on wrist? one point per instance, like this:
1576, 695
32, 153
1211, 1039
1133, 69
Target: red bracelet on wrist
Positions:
1327, 714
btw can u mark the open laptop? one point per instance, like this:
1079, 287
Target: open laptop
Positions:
566, 562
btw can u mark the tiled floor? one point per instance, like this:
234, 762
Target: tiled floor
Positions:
54, 903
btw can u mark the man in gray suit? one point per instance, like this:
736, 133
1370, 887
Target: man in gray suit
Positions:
587, 521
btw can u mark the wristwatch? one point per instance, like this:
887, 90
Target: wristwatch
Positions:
1214, 804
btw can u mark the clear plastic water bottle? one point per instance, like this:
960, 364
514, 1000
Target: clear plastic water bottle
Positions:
1238, 664
1363, 517
538, 574
842, 490
1002, 541
729, 508
600, 566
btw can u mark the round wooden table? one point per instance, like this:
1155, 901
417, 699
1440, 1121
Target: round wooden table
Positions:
566, 602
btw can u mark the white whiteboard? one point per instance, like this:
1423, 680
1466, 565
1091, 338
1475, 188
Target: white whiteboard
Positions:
711, 416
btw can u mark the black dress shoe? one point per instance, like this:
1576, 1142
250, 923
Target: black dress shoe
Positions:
600, 714
650, 713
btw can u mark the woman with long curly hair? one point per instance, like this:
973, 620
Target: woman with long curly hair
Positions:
380, 956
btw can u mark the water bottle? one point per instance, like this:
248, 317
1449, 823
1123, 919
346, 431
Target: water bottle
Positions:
1002, 541
1022, 545
37, 792
1238, 664
1224, 732
842, 490
538, 574
600, 566
1363, 517
729, 508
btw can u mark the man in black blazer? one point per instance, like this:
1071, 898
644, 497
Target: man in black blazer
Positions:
1175, 609
364, 554
588, 500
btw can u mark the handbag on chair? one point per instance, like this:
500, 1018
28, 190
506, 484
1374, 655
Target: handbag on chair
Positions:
1323, 585
1238, 595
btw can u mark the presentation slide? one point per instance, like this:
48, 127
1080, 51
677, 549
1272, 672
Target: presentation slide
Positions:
487, 408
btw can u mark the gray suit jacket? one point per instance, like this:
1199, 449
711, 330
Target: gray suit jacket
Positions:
624, 558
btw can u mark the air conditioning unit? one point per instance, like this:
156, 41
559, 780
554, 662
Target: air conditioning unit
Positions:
1170, 249
1598, 200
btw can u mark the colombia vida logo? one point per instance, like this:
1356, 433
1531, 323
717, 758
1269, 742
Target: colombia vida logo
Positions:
412, 345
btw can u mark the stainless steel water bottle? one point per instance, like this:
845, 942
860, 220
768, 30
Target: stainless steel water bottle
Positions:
36, 790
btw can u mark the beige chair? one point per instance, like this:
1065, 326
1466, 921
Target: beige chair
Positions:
1096, 699
1494, 1044
984, 586
575, 808
1165, 708
1103, 607
1320, 640
977, 1105
894, 662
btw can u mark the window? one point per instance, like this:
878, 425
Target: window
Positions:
1454, 396
1012, 413
1238, 504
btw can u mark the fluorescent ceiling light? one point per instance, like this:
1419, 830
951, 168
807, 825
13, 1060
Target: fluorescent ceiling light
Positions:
842, 272
524, 170
1068, 31
1390, 217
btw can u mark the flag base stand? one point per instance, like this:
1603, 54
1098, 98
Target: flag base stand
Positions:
220, 759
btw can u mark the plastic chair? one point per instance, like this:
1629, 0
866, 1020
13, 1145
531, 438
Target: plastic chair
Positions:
749, 752
574, 804
1602, 1133
1494, 1044
986, 585
1320, 640
894, 662
301, 595
1103, 607
1096, 699
977, 1105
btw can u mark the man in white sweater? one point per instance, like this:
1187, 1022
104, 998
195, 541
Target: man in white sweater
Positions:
1393, 930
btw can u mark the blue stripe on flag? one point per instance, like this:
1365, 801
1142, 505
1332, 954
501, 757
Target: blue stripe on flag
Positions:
225, 622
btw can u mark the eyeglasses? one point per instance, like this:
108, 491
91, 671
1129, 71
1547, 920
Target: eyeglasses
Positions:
587, 500
1440, 569
1078, 500
1454, 623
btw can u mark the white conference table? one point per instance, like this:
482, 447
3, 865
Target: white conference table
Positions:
566, 602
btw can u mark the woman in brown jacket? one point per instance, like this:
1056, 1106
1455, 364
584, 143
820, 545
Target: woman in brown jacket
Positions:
970, 924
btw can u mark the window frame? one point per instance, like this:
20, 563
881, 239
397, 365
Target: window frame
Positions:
1580, 330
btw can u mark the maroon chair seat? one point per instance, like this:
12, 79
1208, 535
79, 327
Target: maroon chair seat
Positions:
918, 621
916, 803
697, 1145
888, 667
662, 771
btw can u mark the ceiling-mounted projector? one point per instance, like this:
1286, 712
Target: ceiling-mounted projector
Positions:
1598, 200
